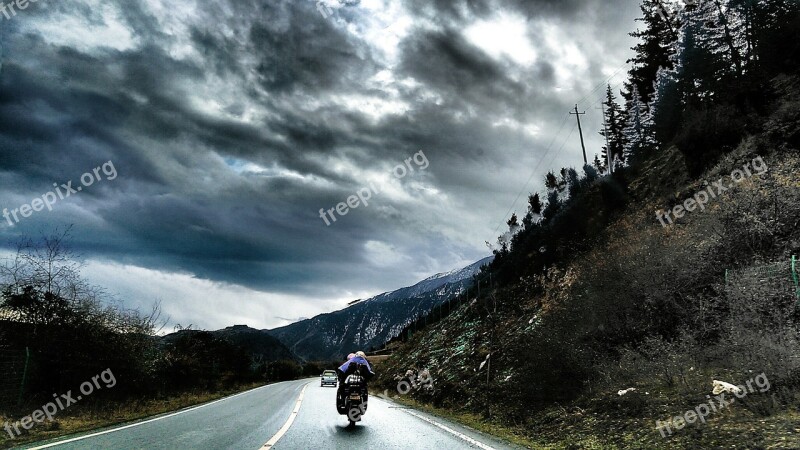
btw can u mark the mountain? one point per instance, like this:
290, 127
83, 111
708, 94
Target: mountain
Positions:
371, 322
260, 346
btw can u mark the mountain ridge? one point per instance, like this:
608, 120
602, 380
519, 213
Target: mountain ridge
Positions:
371, 322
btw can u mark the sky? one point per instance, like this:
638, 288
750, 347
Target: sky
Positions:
206, 137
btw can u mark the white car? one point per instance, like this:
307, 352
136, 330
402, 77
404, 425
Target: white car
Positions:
329, 377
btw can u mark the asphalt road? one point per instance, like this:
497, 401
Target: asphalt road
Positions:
251, 419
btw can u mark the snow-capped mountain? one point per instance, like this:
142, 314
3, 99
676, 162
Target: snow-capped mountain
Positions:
372, 322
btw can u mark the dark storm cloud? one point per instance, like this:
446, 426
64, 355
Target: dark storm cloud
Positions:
220, 51
309, 57
233, 124
463, 11
59, 117
445, 62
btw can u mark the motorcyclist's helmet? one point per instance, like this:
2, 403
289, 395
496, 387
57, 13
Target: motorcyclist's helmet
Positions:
361, 354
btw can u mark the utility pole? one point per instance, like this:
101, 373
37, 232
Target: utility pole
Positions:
605, 133
578, 116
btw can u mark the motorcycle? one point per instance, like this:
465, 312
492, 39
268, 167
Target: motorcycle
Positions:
352, 398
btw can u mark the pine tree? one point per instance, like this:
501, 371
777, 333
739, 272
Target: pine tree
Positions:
638, 131
767, 30
513, 224
666, 107
747, 12
508, 236
718, 30
687, 79
654, 50
563, 181
600, 166
614, 128
550, 181
701, 61
535, 204
534, 215
573, 182
553, 205
590, 172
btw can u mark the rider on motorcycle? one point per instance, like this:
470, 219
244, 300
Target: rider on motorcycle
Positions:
354, 360
356, 365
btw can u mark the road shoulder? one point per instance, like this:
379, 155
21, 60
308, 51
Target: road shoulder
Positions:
432, 418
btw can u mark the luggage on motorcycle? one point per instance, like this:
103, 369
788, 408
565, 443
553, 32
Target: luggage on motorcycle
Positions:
352, 394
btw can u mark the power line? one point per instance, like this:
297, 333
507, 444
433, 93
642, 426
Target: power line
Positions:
549, 147
552, 160
533, 172
563, 143
604, 82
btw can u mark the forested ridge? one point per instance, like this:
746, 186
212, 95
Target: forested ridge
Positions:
592, 292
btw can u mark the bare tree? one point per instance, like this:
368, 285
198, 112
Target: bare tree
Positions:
41, 284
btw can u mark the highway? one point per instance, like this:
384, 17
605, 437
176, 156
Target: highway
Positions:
289, 415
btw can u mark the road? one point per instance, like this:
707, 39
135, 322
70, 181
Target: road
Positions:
265, 415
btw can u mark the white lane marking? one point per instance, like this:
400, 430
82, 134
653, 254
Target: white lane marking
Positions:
113, 430
274, 440
451, 431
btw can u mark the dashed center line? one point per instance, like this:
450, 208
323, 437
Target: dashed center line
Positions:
274, 440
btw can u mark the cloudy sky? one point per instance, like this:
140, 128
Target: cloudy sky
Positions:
229, 124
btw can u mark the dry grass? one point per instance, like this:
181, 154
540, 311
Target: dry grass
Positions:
595, 425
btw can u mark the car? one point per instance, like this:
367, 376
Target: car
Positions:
329, 377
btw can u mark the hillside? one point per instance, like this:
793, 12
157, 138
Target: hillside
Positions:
620, 299
371, 322
646, 307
